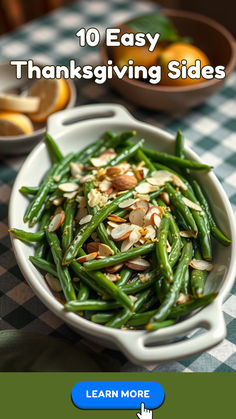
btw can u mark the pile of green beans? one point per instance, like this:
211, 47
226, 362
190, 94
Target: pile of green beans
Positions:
128, 298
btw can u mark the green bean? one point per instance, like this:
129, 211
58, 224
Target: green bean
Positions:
180, 310
172, 296
91, 305
161, 249
83, 293
125, 275
67, 228
142, 157
63, 272
80, 238
178, 202
179, 145
42, 247
102, 318
87, 280
53, 148
185, 282
29, 190
137, 286
121, 318
215, 231
27, 236
63, 169
119, 257
126, 154
41, 195
198, 278
156, 193
176, 161
44, 265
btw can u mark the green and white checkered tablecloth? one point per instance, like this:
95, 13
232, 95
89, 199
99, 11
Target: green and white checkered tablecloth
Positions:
211, 132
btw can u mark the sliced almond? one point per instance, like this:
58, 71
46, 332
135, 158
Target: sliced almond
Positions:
105, 185
86, 258
112, 224
76, 169
105, 250
116, 219
201, 265
87, 178
112, 277
68, 187
138, 264
133, 238
192, 204
115, 268
93, 247
152, 210
53, 282
144, 188
127, 203
94, 197
188, 234
86, 219
124, 182
142, 196
121, 232
56, 221
103, 159
57, 201
168, 247
178, 182
70, 195
133, 298
155, 220
114, 171
137, 216
150, 232
141, 203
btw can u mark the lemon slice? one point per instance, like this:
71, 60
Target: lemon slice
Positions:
17, 103
14, 123
53, 94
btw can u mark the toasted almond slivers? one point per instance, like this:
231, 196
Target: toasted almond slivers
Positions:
86, 219
188, 234
53, 282
70, 195
86, 258
144, 188
165, 197
155, 220
121, 232
103, 159
127, 203
151, 211
92, 247
76, 169
191, 204
133, 238
56, 221
112, 224
201, 265
105, 185
150, 232
112, 277
137, 216
87, 178
168, 247
113, 171
116, 219
57, 201
105, 250
138, 264
183, 298
68, 187
115, 268
142, 203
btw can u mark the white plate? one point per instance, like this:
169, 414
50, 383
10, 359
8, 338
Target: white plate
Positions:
73, 129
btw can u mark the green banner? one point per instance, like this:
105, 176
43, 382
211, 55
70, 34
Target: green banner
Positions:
48, 395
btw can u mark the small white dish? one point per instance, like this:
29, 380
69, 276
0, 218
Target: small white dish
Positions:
21, 144
72, 130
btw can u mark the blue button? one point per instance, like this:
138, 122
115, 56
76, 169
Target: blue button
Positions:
117, 394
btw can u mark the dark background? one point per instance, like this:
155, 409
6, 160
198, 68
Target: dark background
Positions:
14, 13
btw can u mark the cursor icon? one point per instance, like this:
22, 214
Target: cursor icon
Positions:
144, 413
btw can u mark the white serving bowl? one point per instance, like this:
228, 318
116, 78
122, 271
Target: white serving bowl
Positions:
73, 129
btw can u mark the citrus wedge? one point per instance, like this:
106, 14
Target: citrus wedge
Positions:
53, 94
16, 103
14, 123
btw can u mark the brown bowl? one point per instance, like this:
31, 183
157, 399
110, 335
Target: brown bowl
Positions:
215, 40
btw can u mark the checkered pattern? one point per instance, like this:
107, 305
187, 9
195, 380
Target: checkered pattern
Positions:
210, 128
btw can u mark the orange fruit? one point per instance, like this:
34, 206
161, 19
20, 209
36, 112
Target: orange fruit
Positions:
181, 51
140, 55
54, 95
14, 123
